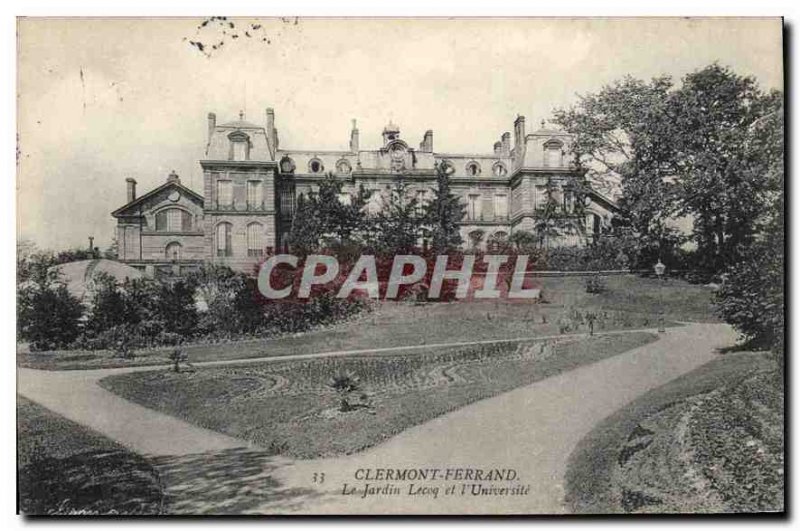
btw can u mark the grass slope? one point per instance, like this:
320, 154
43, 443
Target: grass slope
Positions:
710, 441
66, 469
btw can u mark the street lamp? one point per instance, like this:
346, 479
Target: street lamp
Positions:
660, 268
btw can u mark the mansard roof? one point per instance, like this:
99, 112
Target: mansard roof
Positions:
128, 209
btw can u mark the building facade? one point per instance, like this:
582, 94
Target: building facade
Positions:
251, 185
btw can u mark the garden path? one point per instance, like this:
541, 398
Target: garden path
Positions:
531, 429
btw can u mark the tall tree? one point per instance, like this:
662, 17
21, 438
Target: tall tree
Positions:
398, 225
685, 151
622, 137
720, 177
444, 213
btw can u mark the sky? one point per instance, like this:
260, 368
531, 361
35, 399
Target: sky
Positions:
100, 100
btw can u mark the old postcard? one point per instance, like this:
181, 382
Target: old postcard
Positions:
411, 266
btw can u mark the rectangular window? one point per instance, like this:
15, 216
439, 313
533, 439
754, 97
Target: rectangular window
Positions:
287, 201
224, 247
420, 197
474, 206
255, 239
501, 206
255, 195
224, 193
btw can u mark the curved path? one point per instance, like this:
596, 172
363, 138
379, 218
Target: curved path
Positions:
531, 429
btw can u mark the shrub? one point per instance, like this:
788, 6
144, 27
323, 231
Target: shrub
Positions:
175, 307
344, 385
595, 284
48, 315
178, 356
751, 297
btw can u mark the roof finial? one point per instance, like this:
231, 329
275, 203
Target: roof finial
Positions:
241, 115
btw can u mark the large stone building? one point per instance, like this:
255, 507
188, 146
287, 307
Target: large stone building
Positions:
250, 186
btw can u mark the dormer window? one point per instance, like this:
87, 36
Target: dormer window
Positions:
343, 167
287, 165
553, 154
473, 169
447, 167
316, 166
240, 146
499, 170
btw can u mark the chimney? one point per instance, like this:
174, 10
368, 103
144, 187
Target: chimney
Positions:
427, 142
354, 138
498, 149
131, 189
519, 134
271, 132
173, 178
506, 140
212, 124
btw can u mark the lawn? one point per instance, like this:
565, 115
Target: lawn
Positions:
711, 441
66, 469
288, 408
628, 302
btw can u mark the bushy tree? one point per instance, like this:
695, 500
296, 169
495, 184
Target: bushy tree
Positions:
689, 151
719, 177
329, 215
752, 296
233, 304
398, 225
176, 308
109, 305
47, 314
523, 241
443, 214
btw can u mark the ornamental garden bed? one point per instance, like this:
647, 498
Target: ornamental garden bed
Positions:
289, 408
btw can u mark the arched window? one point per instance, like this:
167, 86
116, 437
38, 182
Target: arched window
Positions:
255, 239
223, 239
499, 169
173, 220
343, 167
473, 169
316, 166
447, 167
475, 238
497, 241
287, 165
173, 251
